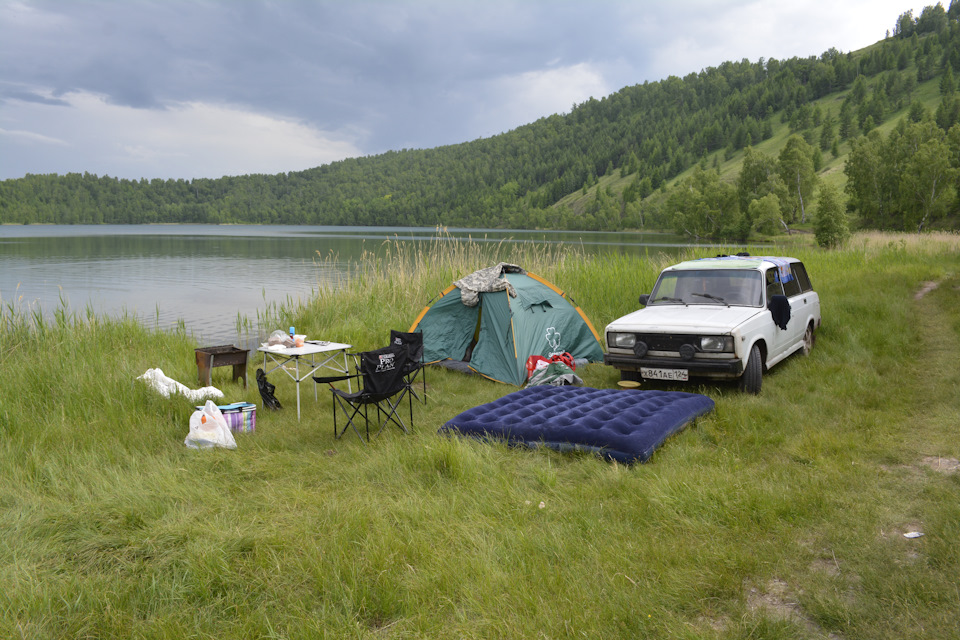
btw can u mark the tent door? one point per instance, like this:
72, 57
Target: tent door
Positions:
473, 341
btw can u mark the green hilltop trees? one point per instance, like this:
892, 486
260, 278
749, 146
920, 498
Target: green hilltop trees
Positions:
796, 167
769, 195
704, 206
907, 180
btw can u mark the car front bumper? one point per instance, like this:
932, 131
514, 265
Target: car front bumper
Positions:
709, 368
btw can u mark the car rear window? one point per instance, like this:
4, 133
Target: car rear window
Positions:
800, 273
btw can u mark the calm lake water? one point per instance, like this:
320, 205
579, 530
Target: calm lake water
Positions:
209, 276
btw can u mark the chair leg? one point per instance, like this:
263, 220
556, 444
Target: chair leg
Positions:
343, 404
391, 413
412, 382
366, 417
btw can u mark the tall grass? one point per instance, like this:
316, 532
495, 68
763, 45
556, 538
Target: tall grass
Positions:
776, 516
388, 286
930, 243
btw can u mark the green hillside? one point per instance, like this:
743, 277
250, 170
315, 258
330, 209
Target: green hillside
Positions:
729, 165
612, 163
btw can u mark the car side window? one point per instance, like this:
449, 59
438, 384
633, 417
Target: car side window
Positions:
800, 273
774, 288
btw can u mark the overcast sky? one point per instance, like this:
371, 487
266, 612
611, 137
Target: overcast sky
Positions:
207, 88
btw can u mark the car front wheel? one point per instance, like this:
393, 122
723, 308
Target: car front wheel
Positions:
752, 377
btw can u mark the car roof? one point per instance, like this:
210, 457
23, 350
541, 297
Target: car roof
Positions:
732, 262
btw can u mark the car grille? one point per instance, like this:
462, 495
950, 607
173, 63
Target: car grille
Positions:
665, 341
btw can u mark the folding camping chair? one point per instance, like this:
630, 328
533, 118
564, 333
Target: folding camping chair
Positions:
413, 342
383, 385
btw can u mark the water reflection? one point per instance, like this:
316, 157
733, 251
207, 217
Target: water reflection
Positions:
207, 275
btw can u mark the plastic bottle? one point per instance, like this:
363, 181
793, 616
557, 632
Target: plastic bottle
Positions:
292, 332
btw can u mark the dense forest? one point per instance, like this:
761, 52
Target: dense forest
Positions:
654, 155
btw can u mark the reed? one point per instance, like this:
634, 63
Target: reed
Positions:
777, 516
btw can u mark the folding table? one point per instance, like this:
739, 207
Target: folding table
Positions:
313, 355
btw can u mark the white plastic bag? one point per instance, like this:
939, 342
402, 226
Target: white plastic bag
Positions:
208, 428
281, 338
166, 387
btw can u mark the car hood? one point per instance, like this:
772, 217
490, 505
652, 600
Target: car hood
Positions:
678, 318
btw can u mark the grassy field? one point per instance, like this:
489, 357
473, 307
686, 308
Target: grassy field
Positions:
776, 516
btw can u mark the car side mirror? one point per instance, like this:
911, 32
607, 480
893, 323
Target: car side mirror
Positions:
644, 299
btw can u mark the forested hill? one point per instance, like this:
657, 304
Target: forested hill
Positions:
644, 136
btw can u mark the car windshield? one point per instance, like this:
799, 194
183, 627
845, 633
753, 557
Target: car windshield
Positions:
731, 287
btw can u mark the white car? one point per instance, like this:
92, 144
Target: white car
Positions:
727, 317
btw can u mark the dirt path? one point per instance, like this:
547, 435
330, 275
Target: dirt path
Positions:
937, 379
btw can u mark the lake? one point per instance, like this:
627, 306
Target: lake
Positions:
210, 276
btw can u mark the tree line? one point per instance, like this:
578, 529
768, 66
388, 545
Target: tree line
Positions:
649, 133
908, 179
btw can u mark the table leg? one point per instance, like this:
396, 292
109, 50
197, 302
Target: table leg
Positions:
329, 362
297, 361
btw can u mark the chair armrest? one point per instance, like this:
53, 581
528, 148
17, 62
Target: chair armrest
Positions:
332, 379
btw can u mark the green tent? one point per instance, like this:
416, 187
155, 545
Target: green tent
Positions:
515, 314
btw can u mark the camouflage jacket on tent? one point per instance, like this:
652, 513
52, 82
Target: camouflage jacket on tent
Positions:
483, 280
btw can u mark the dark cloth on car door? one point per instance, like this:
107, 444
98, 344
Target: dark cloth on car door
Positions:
779, 307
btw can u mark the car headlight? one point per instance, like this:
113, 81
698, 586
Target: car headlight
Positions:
716, 344
623, 340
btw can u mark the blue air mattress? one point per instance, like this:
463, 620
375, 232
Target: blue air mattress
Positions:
626, 425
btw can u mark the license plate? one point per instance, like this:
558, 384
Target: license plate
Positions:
650, 373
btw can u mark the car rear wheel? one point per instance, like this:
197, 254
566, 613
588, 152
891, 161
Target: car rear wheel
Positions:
752, 377
808, 340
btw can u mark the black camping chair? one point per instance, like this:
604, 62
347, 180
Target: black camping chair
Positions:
383, 385
266, 391
413, 342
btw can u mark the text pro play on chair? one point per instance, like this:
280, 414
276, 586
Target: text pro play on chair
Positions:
383, 385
